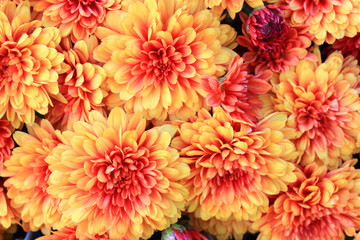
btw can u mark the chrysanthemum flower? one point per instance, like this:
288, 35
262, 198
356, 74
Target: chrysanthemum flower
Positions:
115, 177
271, 43
234, 165
6, 142
27, 171
221, 229
8, 214
68, 233
155, 52
29, 64
80, 85
267, 27
328, 20
238, 91
322, 106
348, 46
76, 18
321, 205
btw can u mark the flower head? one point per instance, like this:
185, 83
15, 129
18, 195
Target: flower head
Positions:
270, 42
328, 20
155, 57
238, 91
27, 171
115, 177
80, 85
76, 18
29, 64
322, 106
321, 204
267, 27
234, 165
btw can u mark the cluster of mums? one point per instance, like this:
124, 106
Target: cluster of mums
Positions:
118, 117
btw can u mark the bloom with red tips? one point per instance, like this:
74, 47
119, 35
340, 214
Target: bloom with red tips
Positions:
155, 52
76, 18
234, 164
270, 42
27, 173
328, 20
29, 64
238, 92
80, 84
115, 177
323, 108
321, 204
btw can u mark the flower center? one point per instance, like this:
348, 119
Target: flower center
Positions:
315, 115
10, 64
160, 62
121, 171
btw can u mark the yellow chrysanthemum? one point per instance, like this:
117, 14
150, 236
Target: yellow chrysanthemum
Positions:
320, 205
322, 105
27, 171
115, 177
80, 84
154, 54
234, 165
29, 64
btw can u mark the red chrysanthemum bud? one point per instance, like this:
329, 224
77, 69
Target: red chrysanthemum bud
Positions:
267, 27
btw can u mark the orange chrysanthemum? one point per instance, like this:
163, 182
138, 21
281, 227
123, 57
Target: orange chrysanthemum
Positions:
76, 18
27, 171
237, 92
115, 177
155, 52
328, 20
80, 85
70, 234
29, 64
320, 205
234, 165
221, 229
271, 43
322, 106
